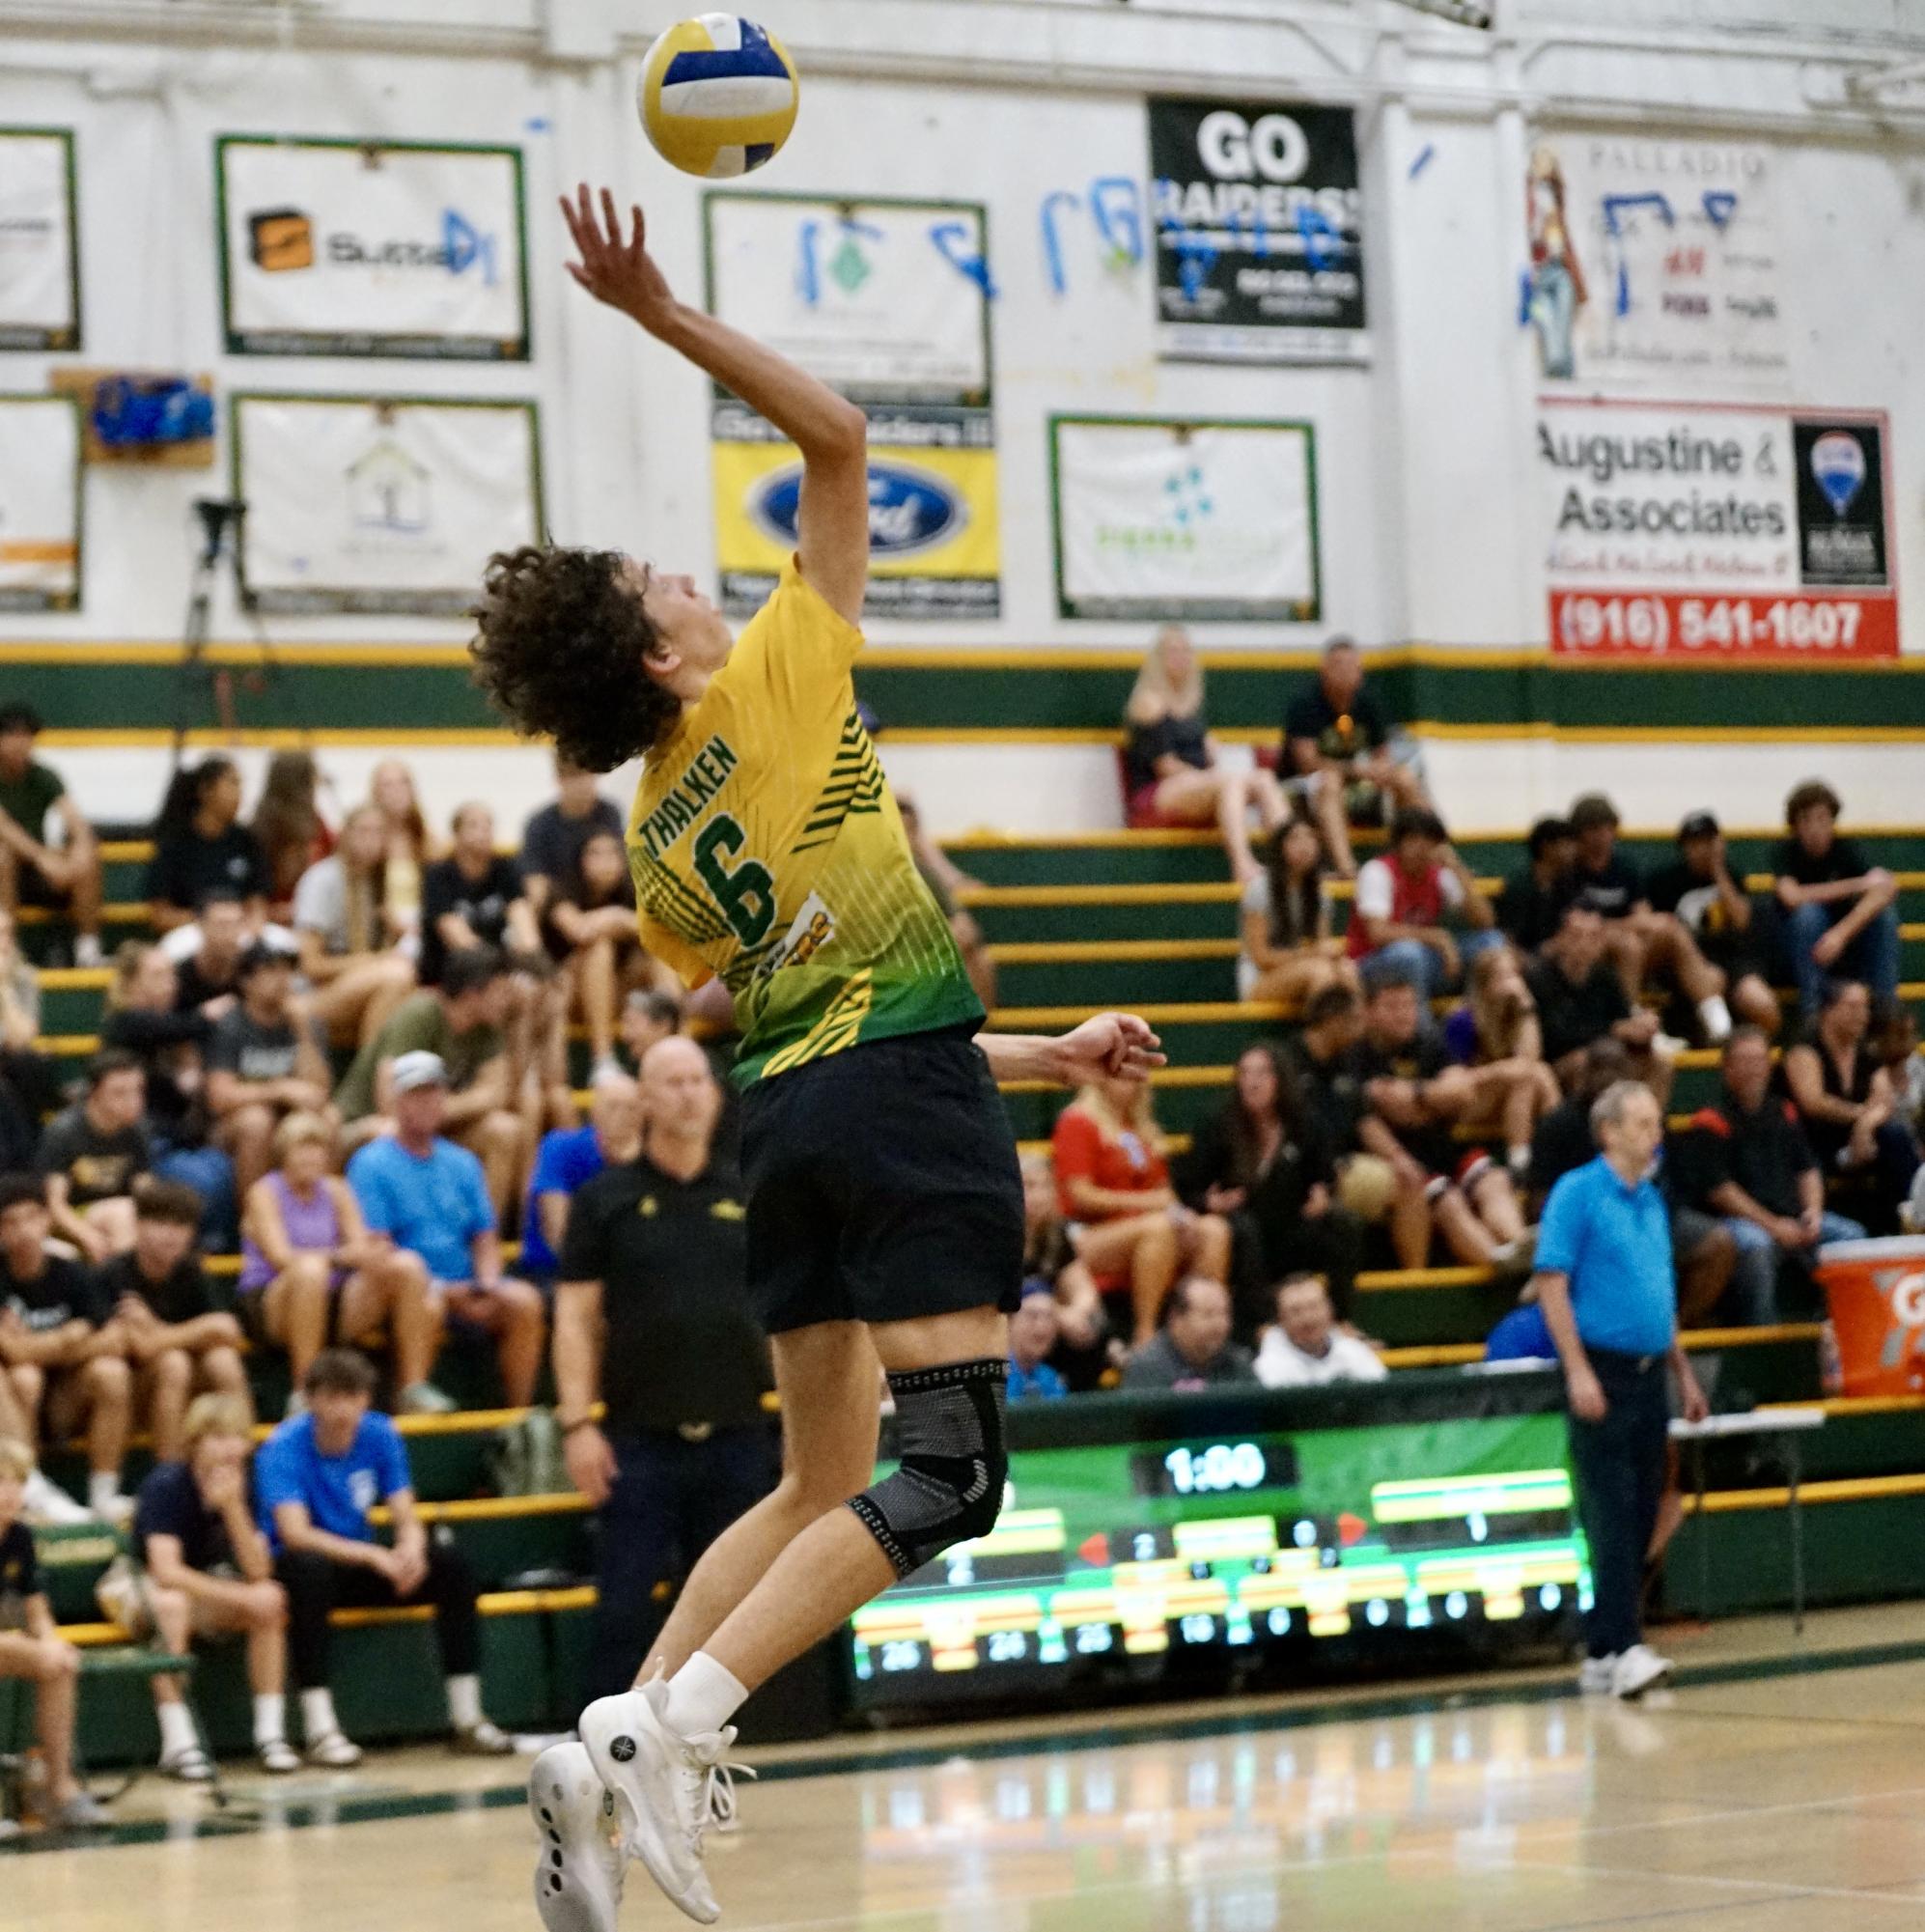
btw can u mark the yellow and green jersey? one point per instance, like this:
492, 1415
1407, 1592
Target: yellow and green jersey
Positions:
768, 851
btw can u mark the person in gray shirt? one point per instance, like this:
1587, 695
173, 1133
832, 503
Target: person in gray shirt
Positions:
1192, 1349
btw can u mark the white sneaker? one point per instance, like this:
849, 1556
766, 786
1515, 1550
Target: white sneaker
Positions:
335, 1751
1597, 1676
43, 1502
87, 952
667, 1787
1637, 1670
579, 1874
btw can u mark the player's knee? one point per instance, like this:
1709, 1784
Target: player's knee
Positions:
953, 1462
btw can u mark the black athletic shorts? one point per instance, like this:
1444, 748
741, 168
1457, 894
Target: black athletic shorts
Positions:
882, 1185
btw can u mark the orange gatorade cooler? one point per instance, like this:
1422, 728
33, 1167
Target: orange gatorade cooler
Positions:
1877, 1293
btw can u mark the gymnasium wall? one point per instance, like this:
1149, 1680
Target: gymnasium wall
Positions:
1430, 522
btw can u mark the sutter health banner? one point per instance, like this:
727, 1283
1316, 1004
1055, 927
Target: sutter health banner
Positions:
353, 248
1727, 532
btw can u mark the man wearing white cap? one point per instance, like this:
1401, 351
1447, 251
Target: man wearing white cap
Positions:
431, 1198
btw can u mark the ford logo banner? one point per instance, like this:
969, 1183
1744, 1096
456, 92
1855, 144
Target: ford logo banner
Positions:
909, 510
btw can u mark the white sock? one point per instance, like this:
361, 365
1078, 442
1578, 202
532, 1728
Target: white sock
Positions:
317, 1718
702, 1696
103, 1489
464, 1702
177, 1728
271, 1718
1716, 1017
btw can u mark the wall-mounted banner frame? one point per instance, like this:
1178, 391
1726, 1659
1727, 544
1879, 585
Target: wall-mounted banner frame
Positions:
39, 253
39, 503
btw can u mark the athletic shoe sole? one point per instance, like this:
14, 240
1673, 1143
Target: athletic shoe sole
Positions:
631, 1754
578, 1877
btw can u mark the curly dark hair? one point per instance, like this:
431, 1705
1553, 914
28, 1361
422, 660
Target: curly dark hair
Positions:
560, 651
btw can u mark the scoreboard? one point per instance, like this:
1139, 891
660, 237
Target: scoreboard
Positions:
1135, 1530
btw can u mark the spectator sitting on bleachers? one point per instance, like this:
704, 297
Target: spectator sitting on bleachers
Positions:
45, 1501
209, 1572
93, 1152
1402, 898
461, 1022
1173, 774
180, 1344
589, 929
1289, 954
1496, 1037
1304, 1348
473, 899
61, 874
647, 1016
569, 1159
1413, 1096
1084, 1347
391, 792
63, 1350
1191, 1347
199, 847
350, 955
1033, 1332
552, 839
429, 1197
1337, 740
1840, 912
945, 880
1129, 1228
310, 1269
289, 827
29, 1079
1730, 929
1563, 1139
1639, 939
264, 1061
316, 1479
1747, 1161
32, 1647
1260, 1163
1532, 900
1580, 998
1848, 1110
1894, 1044
207, 954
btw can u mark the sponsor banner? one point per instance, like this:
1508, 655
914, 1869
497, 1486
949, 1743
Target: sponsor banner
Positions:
1157, 519
884, 300
39, 503
1730, 532
353, 248
379, 504
1654, 264
1259, 232
935, 549
39, 285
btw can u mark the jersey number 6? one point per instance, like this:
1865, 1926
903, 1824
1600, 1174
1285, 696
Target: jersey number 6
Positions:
746, 894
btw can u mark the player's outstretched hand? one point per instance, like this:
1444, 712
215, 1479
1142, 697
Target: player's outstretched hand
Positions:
1111, 1046
618, 271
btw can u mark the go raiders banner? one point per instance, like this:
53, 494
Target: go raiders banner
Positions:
39, 503
374, 504
1259, 232
39, 285
353, 248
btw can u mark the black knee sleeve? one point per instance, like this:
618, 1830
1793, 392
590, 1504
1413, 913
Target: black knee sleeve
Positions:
948, 1485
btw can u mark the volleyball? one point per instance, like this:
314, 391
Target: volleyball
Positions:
718, 96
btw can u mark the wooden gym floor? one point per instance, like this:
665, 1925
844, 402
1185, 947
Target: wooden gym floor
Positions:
1776, 1787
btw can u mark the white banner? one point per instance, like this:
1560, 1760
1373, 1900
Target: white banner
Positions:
361, 504
885, 301
1656, 263
39, 503
1733, 531
40, 292
1170, 520
340, 248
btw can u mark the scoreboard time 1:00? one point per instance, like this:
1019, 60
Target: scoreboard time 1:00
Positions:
1213, 1468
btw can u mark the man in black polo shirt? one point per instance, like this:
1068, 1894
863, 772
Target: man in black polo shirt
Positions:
651, 1318
1746, 1158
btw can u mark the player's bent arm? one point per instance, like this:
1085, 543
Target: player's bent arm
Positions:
1110, 1046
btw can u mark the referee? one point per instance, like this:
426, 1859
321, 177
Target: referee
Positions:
1610, 1296
652, 1318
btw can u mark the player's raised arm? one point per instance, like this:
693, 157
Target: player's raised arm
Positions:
831, 434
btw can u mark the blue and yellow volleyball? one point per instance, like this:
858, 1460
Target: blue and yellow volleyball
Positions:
718, 96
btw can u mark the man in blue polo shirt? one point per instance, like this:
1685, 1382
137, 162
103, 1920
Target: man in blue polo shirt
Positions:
1610, 1298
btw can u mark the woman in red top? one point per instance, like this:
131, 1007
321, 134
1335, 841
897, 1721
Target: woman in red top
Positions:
1128, 1226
